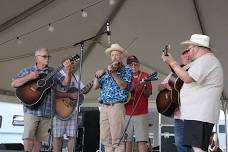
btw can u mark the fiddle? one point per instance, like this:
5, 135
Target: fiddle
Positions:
112, 68
115, 66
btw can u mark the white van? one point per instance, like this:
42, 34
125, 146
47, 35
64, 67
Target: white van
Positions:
11, 122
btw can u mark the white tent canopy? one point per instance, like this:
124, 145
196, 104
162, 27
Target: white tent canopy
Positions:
143, 27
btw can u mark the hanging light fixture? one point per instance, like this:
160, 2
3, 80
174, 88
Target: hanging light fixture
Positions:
112, 2
51, 28
19, 41
84, 13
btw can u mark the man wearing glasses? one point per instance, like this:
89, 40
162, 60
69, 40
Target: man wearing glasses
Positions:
200, 93
137, 107
37, 119
178, 122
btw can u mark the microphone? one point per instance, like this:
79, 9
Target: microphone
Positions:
108, 32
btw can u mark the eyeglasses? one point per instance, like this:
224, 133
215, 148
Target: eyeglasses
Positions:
44, 56
134, 64
186, 50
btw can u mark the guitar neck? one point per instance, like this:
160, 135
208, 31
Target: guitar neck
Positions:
50, 75
72, 59
171, 69
87, 88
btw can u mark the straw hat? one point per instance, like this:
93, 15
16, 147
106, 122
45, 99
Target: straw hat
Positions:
115, 47
198, 40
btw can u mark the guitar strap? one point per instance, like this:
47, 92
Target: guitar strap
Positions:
136, 85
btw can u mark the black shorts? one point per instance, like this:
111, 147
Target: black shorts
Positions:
197, 134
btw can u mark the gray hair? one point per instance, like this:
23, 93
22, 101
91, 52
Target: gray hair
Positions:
39, 50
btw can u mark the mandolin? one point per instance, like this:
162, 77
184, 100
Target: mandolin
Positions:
131, 95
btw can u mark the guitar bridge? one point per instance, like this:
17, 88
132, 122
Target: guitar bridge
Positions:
33, 89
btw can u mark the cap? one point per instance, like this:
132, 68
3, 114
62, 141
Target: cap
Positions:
131, 59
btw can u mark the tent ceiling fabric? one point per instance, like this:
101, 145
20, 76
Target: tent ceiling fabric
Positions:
143, 27
11, 8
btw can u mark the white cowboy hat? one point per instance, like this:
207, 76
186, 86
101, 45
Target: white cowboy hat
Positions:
198, 40
115, 47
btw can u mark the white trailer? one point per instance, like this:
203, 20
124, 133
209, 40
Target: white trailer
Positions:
11, 123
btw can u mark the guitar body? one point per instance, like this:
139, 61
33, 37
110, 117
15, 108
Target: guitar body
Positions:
33, 92
64, 107
165, 104
175, 82
168, 101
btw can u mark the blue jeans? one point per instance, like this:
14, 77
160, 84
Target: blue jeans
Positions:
178, 128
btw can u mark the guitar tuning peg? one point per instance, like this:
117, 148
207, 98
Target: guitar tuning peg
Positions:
168, 46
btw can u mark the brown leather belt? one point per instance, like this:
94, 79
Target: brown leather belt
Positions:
110, 103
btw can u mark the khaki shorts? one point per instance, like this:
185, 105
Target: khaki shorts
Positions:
138, 127
36, 127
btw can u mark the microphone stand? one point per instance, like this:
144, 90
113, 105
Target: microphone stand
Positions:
124, 134
50, 130
128, 122
88, 39
79, 90
81, 43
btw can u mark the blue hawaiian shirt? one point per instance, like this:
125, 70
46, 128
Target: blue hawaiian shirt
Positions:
45, 108
110, 91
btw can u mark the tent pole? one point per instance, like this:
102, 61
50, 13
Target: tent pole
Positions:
198, 16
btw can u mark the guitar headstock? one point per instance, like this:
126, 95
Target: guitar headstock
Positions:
152, 76
166, 49
74, 58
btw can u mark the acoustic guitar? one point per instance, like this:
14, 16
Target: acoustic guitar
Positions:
33, 92
214, 143
64, 107
168, 101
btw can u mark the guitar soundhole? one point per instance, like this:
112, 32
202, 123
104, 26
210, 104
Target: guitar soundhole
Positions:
41, 82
